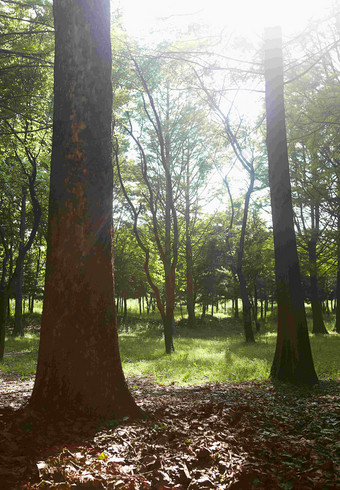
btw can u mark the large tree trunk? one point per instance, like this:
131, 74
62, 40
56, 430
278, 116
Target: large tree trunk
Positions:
293, 360
318, 323
18, 325
79, 367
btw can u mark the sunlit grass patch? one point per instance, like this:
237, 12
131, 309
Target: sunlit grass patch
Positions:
196, 360
199, 358
325, 350
214, 351
190, 363
21, 355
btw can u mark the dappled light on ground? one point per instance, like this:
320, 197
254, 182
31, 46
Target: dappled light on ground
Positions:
215, 419
215, 435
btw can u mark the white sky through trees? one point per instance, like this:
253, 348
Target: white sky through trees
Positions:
244, 16
153, 21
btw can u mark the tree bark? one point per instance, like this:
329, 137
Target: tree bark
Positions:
318, 323
236, 314
18, 324
170, 246
337, 320
35, 287
247, 324
237, 265
188, 254
79, 368
4, 298
293, 360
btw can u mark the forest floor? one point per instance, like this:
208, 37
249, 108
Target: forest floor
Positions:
208, 436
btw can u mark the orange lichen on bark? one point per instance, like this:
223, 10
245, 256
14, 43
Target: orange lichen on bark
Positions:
76, 126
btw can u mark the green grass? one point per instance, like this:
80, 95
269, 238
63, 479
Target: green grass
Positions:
21, 355
215, 351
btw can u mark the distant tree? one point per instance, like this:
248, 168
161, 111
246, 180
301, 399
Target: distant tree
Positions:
337, 322
79, 367
293, 360
259, 263
166, 131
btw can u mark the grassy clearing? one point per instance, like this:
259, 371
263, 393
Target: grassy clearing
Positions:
215, 351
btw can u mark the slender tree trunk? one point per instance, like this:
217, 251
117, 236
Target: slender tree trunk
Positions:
36, 281
4, 296
79, 368
18, 324
237, 314
337, 321
257, 324
247, 325
203, 311
8, 317
246, 308
318, 323
188, 255
190, 282
3, 317
293, 360
169, 265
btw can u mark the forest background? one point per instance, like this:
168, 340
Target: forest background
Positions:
191, 178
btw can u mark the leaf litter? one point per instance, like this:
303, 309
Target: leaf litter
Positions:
250, 435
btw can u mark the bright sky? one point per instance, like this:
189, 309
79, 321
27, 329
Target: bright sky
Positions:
153, 20
244, 16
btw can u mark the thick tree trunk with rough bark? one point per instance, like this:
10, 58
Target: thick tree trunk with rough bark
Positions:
293, 360
79, 367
